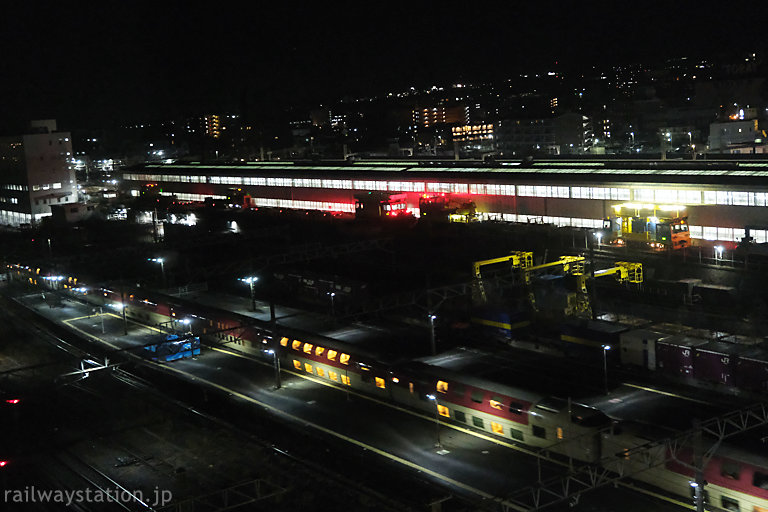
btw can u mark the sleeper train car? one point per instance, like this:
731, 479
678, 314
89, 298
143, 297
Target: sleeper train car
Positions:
515, 414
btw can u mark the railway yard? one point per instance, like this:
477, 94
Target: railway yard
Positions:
284, 360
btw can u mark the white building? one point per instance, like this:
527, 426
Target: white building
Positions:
732, 133
35, 173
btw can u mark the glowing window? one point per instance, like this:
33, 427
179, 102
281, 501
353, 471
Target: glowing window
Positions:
442, 386
296, 345
308, 367
410, 387
308, 348
346, 380
497, 428
443, 411
333, 376
559, 432
380, 383
320, 372
297, 364
332, 355
496, 403
344, 358
284, 341
319, 351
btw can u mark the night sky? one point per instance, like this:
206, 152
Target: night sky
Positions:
90, 64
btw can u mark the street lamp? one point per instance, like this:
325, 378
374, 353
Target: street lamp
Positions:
606, 348
277, 367
438, 444
432, 334
251, 281
161, 261
333, 311
718, 252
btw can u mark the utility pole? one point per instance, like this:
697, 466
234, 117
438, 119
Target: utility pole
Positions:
698, 463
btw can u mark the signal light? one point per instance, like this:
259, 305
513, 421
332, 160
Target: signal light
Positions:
3, 463
13, 401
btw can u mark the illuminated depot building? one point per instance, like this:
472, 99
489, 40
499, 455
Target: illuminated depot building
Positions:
720, 198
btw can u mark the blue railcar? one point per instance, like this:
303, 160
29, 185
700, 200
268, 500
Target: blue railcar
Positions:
173, 347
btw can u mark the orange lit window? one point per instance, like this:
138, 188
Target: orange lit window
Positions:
442, 386
319, 351
559, 433
410, 387
346, 380
308, 348
380, 383
333, 376
496, 403
344, 358
308, 367
297, 364
320, 372
443, 411
332, 355
284, 341
296, 345
497, 428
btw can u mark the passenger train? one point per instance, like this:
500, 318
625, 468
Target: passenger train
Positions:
737, 479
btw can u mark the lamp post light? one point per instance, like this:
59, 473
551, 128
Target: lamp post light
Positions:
432, 343
333, 310
274, 354
438, 444
251, 281
161, 261
606, 348
718, 252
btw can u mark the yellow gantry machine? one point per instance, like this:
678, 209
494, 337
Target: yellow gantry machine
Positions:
578, 302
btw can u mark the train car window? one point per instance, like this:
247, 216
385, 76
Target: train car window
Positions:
344, 358
760, 480
539, 432
308, 367
346, 380
333, 376
332, 355
297, 364
496, 403
410, 388
320, 372
296, 345
516, 434
380, 383
443, 411
284, 341
497, 428
516, 408
319, 351
442, 386
559, 432
729, 504
458, 389
478, 422
308, 348
477, 397
730, 469
460, 416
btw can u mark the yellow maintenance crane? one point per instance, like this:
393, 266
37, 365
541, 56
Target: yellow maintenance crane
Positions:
577, 302
516, 259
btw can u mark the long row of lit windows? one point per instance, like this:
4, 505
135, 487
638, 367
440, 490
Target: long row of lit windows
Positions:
309, 348
183, 196
320, 372
646, 195
14, 218
303, 205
